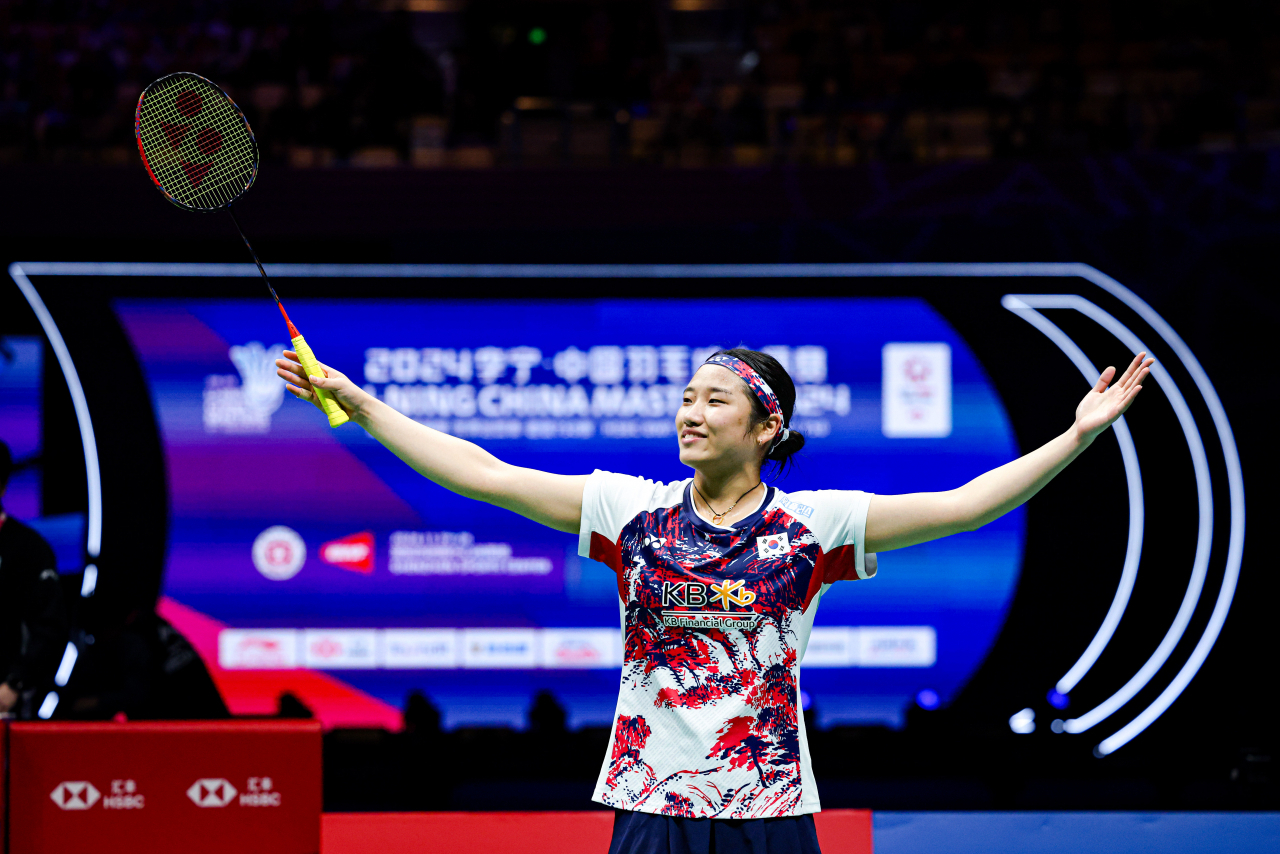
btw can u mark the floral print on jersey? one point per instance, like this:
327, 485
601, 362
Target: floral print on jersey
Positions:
732, 692
627, 772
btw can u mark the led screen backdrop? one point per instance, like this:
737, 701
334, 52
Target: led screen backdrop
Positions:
317, 550
21, 414
20, 406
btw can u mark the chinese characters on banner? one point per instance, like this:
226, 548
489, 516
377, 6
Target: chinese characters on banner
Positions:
620, 392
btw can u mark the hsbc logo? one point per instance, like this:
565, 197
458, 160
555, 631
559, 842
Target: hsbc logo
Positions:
75, 795
211, 792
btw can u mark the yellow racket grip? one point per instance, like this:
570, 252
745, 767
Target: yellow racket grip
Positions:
313, 369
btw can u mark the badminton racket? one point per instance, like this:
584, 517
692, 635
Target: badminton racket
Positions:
201, 154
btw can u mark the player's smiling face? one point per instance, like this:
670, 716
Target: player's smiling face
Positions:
713, 426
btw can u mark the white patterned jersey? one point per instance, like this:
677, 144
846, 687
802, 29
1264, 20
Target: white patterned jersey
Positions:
715, 622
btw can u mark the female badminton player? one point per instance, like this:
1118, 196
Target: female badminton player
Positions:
719, 577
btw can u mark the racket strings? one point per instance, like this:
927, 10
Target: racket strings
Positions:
198, 145
197, 127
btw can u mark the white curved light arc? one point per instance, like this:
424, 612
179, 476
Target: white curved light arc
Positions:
1133, 476
93, 474
1235, 540
1204, 492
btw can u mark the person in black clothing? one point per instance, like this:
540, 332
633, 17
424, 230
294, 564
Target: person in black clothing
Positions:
142, 666
33, 617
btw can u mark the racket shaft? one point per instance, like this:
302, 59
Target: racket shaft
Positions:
313, 369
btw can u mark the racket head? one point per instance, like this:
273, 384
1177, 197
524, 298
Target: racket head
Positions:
195, 142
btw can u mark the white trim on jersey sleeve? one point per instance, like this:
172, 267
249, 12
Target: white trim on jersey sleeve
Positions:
838, 518
610, 501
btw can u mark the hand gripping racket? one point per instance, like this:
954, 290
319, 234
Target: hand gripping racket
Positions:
201, 154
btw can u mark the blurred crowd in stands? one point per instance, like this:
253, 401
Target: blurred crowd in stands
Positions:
690, 83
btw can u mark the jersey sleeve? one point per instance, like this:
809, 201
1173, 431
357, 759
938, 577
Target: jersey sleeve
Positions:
609, 502
839, 520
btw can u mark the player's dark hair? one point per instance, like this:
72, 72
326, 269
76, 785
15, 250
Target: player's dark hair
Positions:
772, 372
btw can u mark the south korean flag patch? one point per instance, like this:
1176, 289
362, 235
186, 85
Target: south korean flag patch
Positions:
775, 545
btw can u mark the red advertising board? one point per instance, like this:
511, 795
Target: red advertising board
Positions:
188, 787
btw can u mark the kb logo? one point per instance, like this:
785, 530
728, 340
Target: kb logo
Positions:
75, 795
211, 792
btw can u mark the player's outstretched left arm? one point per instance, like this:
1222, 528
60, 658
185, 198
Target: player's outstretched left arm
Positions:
898, 521
555, 500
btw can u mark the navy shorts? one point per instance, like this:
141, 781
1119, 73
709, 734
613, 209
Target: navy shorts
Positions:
646, 833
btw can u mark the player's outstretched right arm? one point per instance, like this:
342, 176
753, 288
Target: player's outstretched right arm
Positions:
555, 500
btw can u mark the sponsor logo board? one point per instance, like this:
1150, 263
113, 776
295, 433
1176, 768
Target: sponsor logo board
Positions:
832, 646
897, 646
556, 648
500, 648
581, 648
339, 649
258, 649
420, 648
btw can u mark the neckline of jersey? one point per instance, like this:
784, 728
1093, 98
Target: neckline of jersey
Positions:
706, 526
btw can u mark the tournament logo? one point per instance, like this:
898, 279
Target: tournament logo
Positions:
279, 553
774, 545
245, 406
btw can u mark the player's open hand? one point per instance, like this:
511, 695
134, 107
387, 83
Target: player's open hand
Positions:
1107, 401
348, 395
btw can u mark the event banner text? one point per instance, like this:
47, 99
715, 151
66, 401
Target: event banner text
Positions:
608, 391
